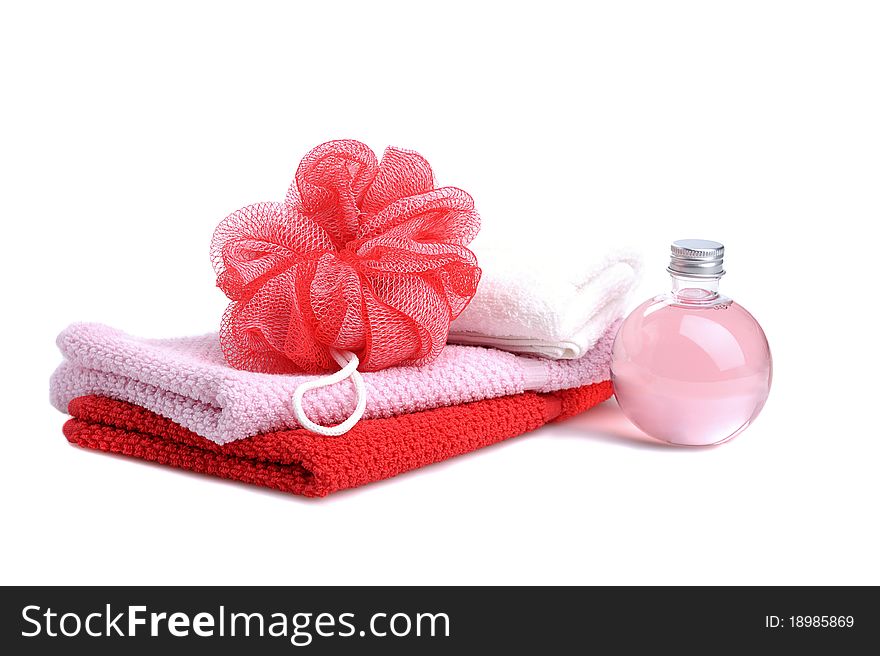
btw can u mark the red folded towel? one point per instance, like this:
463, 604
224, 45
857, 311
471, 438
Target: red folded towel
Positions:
301, 462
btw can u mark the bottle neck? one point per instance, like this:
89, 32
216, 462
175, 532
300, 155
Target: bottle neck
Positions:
694, 289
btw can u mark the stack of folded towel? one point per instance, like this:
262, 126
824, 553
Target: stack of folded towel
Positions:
177, 402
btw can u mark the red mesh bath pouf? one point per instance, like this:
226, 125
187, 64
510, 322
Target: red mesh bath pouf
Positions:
363, 265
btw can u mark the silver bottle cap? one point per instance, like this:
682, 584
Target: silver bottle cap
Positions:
697, 258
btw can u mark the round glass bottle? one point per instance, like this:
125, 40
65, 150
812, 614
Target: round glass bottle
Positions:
692, 367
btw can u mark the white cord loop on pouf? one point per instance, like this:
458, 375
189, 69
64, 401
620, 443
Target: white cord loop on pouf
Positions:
349, 363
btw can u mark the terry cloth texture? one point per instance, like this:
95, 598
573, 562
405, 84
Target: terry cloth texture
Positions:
303, 463
558, 308
188, 381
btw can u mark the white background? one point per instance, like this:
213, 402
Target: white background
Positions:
129, 132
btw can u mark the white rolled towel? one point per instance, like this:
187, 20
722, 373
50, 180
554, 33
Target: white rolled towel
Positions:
555, 304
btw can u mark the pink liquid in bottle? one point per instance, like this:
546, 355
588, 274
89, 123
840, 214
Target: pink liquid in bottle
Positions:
692, 367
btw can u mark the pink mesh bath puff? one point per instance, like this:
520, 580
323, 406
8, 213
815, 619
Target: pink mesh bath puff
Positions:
362, 256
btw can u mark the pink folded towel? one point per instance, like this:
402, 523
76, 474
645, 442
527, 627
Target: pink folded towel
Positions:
188, 381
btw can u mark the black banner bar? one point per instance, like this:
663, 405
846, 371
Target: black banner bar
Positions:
434, 620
